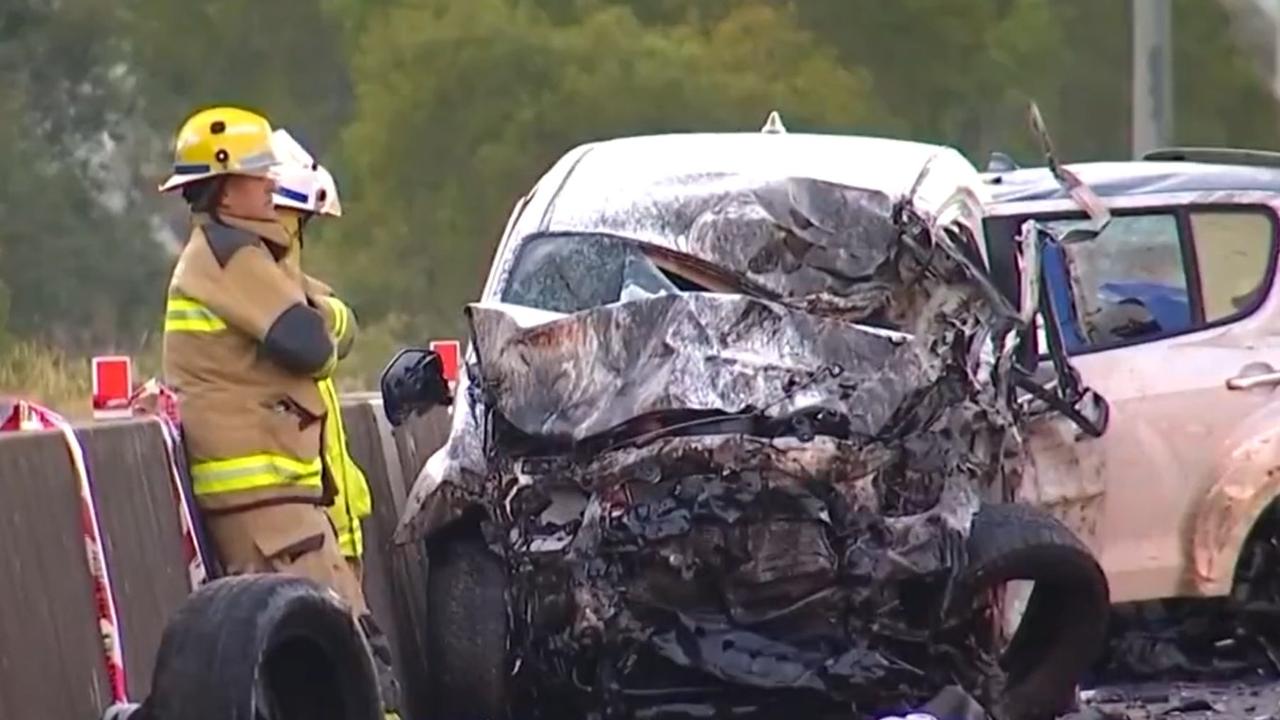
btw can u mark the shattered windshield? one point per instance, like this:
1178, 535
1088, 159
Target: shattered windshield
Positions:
796, 236
572, 272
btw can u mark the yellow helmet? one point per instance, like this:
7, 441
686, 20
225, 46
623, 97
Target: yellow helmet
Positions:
221, 141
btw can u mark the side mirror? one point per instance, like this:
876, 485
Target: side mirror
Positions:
413, 382
1092, 414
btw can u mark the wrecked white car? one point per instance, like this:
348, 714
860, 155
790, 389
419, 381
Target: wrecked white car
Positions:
739, 430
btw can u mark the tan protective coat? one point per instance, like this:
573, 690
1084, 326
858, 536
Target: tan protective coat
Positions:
235, 401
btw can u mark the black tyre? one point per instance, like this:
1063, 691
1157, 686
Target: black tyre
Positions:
466, 630
1063, 628
251, 646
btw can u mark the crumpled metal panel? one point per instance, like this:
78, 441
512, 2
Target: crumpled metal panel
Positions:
807, 240
588, 373
802, 560
798, 237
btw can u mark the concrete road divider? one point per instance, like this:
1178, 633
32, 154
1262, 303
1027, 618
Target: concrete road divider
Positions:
51, 659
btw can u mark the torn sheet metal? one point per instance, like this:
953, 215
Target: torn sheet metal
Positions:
692, 352
769, 489
799, 237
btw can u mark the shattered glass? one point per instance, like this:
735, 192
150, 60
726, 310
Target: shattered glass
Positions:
572, 273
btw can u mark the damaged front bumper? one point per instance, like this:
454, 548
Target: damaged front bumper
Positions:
769, 500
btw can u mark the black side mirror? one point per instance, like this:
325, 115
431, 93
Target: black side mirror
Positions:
413, 382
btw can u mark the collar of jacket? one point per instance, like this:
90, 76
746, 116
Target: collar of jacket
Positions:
269, 230
292, 225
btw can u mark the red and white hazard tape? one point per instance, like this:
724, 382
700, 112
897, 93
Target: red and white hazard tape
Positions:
29, 416
196, 571
155, 399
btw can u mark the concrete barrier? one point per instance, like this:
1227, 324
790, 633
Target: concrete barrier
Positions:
50, 651
50, 648
138, 512
395, 577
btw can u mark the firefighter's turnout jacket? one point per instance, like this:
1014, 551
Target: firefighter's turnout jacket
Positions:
246, 347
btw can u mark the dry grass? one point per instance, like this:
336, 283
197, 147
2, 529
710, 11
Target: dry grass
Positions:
59, 380
47, 376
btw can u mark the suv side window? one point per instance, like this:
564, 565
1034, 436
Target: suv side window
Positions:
1233, 252
1157, 274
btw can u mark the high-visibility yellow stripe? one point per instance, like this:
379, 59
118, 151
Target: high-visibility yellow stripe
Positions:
177, 302
191, 326
340, 320
186, 315
351, 540
254, 472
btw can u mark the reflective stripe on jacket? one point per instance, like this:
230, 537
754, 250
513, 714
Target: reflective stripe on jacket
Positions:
252, 426
352, 501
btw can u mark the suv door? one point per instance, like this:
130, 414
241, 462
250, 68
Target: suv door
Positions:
1170, 308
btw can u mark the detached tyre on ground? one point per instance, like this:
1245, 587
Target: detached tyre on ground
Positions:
466, 630
262, 646
1063, 628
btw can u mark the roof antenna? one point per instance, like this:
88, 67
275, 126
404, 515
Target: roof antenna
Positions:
773, 126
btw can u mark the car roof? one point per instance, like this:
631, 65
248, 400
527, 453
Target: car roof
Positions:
885, 165
1133, 177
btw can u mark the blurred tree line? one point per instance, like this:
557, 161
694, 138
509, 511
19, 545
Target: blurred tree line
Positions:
437, 114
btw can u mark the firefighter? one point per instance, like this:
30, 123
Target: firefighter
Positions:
245, 348
304, 189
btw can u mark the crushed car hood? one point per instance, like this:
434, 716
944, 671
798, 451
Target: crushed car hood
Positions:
833, 258
586, 374
800, 238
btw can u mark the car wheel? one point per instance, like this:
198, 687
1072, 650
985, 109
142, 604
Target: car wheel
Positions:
254, 646
466, 630
1063, 628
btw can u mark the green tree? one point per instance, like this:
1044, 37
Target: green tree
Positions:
77, 273
961, 73
284, 58
461, 106
1218, 97
957, 73
74, 262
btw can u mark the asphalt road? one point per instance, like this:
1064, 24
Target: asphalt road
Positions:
1184, 701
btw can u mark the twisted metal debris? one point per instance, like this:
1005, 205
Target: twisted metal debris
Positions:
769, 485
